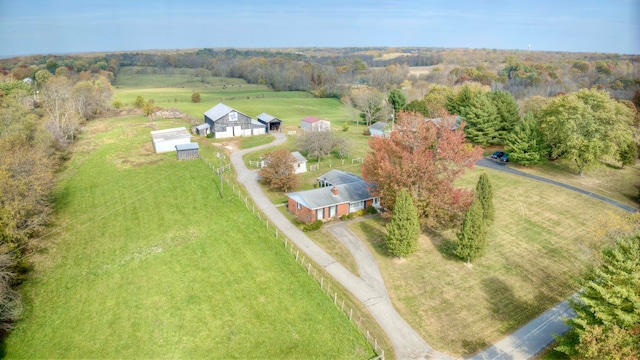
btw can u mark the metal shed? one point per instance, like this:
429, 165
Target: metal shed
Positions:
187, 151
166, 140
272, 123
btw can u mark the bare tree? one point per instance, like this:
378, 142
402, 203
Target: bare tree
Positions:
372, 105
63, 120
317, 143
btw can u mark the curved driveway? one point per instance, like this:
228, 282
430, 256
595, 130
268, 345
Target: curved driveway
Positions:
369, 288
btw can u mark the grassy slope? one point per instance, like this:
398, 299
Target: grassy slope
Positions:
147, 267
535, 254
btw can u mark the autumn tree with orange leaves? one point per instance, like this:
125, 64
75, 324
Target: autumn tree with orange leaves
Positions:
424, 157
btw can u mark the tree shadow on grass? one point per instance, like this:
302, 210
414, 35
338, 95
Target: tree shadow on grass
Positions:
471, 347
375, 237
445, 246
504, 305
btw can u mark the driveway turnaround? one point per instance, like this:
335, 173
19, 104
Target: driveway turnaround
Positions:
369, 289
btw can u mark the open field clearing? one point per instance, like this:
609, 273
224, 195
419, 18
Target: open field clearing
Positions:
145, 260
537, 249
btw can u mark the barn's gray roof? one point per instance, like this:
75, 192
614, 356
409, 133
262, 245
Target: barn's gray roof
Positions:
380, 125
339, 177
323, 197
189, 146
170, 134
257, 123
203, 126
298, 156
220, 111
267, 118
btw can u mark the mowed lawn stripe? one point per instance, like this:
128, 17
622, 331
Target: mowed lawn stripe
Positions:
153, 266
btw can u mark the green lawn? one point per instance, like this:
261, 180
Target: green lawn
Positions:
145, 260
538, 247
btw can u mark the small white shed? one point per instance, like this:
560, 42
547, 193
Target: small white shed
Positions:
166, 140
300, 165
311, 123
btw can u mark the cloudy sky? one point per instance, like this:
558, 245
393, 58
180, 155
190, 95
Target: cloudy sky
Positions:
66, 26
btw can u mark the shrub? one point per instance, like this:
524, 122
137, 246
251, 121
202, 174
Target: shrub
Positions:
195, 97
210, 135
345, 127
138, 102
344, 217
366, 132
313, 226
360, 212
117, 104
351, 215
371, 210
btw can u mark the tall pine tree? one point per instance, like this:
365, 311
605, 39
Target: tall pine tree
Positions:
484, 192
404, 228
607, 321
526, 144
482, 121
472, 238
507, 110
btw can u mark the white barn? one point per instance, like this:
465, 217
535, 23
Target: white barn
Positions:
311, 123
166, 140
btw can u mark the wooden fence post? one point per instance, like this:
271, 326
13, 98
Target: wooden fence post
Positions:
350, 314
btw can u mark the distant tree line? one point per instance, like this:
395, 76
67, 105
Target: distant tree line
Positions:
331, 72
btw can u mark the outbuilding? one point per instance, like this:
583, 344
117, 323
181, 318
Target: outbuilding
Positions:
311, 123
166, 140
203, 129
271, 123
227, 122
187, 151
380, 129
300, 164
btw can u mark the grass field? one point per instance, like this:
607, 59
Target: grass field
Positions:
145, 260
538, 247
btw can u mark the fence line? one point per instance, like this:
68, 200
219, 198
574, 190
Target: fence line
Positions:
318, 278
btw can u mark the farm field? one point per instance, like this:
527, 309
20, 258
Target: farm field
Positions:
145, 260
537, 249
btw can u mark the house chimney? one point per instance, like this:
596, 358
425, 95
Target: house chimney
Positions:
334, 191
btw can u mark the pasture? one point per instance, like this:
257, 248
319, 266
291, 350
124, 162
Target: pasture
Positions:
538, 247
146, 260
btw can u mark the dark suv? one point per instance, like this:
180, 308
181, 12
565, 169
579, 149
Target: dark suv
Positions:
497, 155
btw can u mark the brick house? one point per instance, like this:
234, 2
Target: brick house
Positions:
340, 193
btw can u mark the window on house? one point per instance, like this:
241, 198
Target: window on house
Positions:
298, 206
319, 214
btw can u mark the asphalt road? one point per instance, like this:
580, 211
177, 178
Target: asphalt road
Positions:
370, 289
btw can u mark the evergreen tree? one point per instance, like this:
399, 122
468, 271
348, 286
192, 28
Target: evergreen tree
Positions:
607, 310
526, 144
482, 121
404, 228
507, 110
484, 192
397, 100
457, 104
418, 106
472, 238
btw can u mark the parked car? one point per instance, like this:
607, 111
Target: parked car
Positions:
497, 155
504, 158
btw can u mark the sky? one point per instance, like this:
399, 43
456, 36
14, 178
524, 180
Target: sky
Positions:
72, 26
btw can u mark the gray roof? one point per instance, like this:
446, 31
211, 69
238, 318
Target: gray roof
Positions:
219, 111
267, 118
339, 177
169, 134
323, 197
189, 146
378, 125
203, 126
298, 156
257, 123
